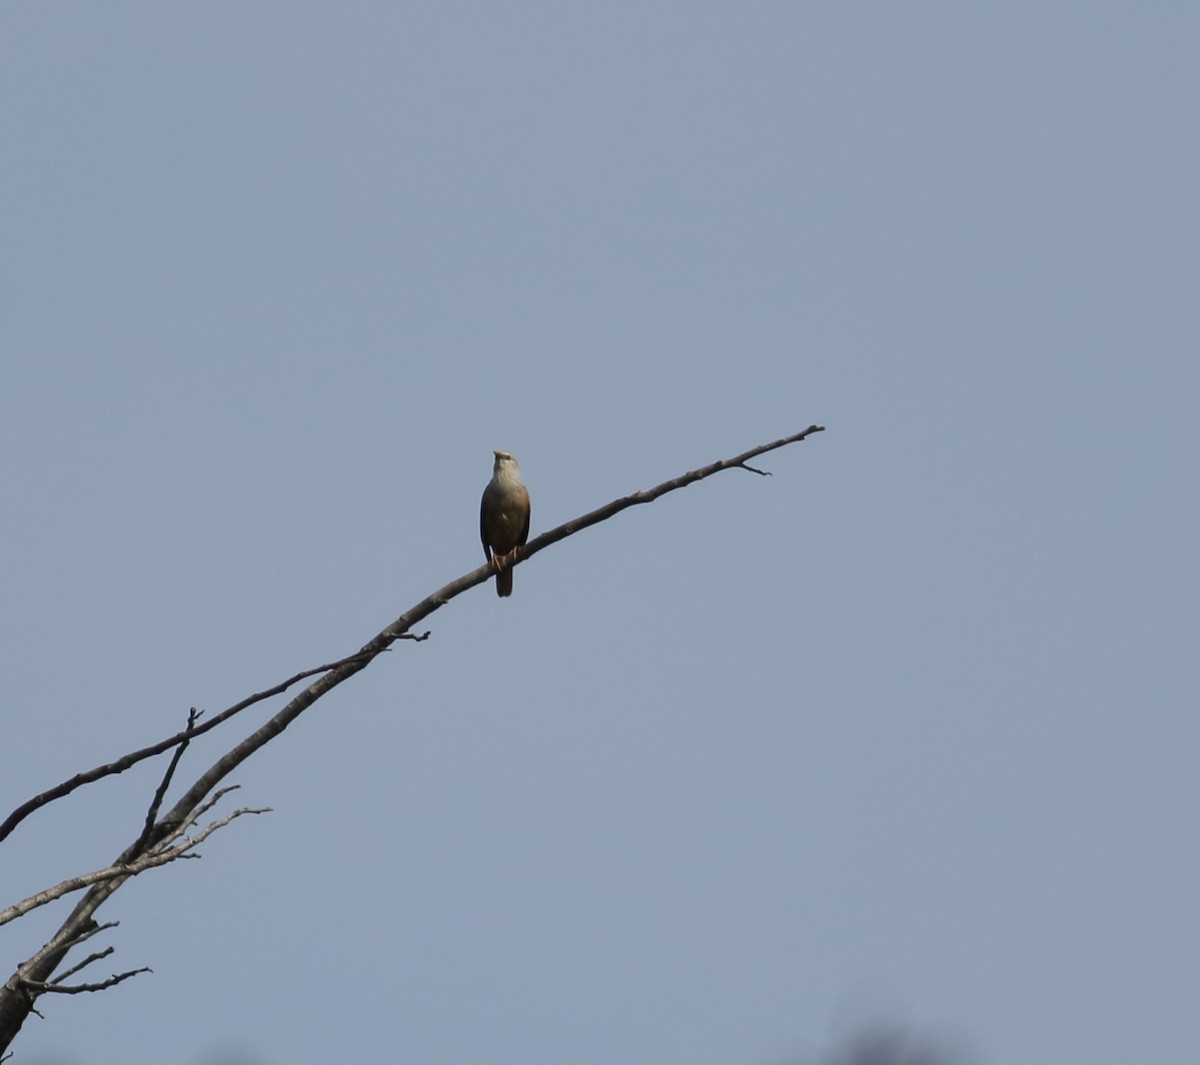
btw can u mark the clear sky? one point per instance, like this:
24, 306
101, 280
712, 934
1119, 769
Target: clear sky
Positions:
907, 731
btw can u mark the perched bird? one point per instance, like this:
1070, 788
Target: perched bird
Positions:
504, 518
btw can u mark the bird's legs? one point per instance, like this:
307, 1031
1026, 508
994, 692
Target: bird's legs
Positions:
508, 556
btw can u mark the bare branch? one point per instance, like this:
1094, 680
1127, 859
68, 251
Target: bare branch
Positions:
65, 887
97, 956
160, 793
617, 505
400, 627
166, 840
174, 830
160, 855
119, 765
94, 930
39, 987
18, 994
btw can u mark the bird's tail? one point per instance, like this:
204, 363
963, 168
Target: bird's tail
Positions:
504, 582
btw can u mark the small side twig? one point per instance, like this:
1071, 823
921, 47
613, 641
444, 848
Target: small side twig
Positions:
39, 987
93, 929
83, 964
161, 790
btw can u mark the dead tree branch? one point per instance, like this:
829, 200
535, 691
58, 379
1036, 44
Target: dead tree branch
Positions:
41, 987
97, 956
160, 793
160, 855
163, 837
119, 765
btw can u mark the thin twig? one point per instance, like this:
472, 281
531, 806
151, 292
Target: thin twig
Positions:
83, 964
94, 930
161, 791
39, 987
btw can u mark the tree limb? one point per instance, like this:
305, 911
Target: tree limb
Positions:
160, 855
42, 987
119, 765
156, 844
400, 627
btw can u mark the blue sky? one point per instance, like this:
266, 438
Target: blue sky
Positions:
906, 731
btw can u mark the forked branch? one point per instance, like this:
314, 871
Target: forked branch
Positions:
162, 838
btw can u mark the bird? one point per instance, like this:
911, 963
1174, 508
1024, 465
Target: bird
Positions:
504, 518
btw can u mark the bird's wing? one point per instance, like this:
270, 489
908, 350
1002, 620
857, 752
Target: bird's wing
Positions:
483, 531
525, 523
